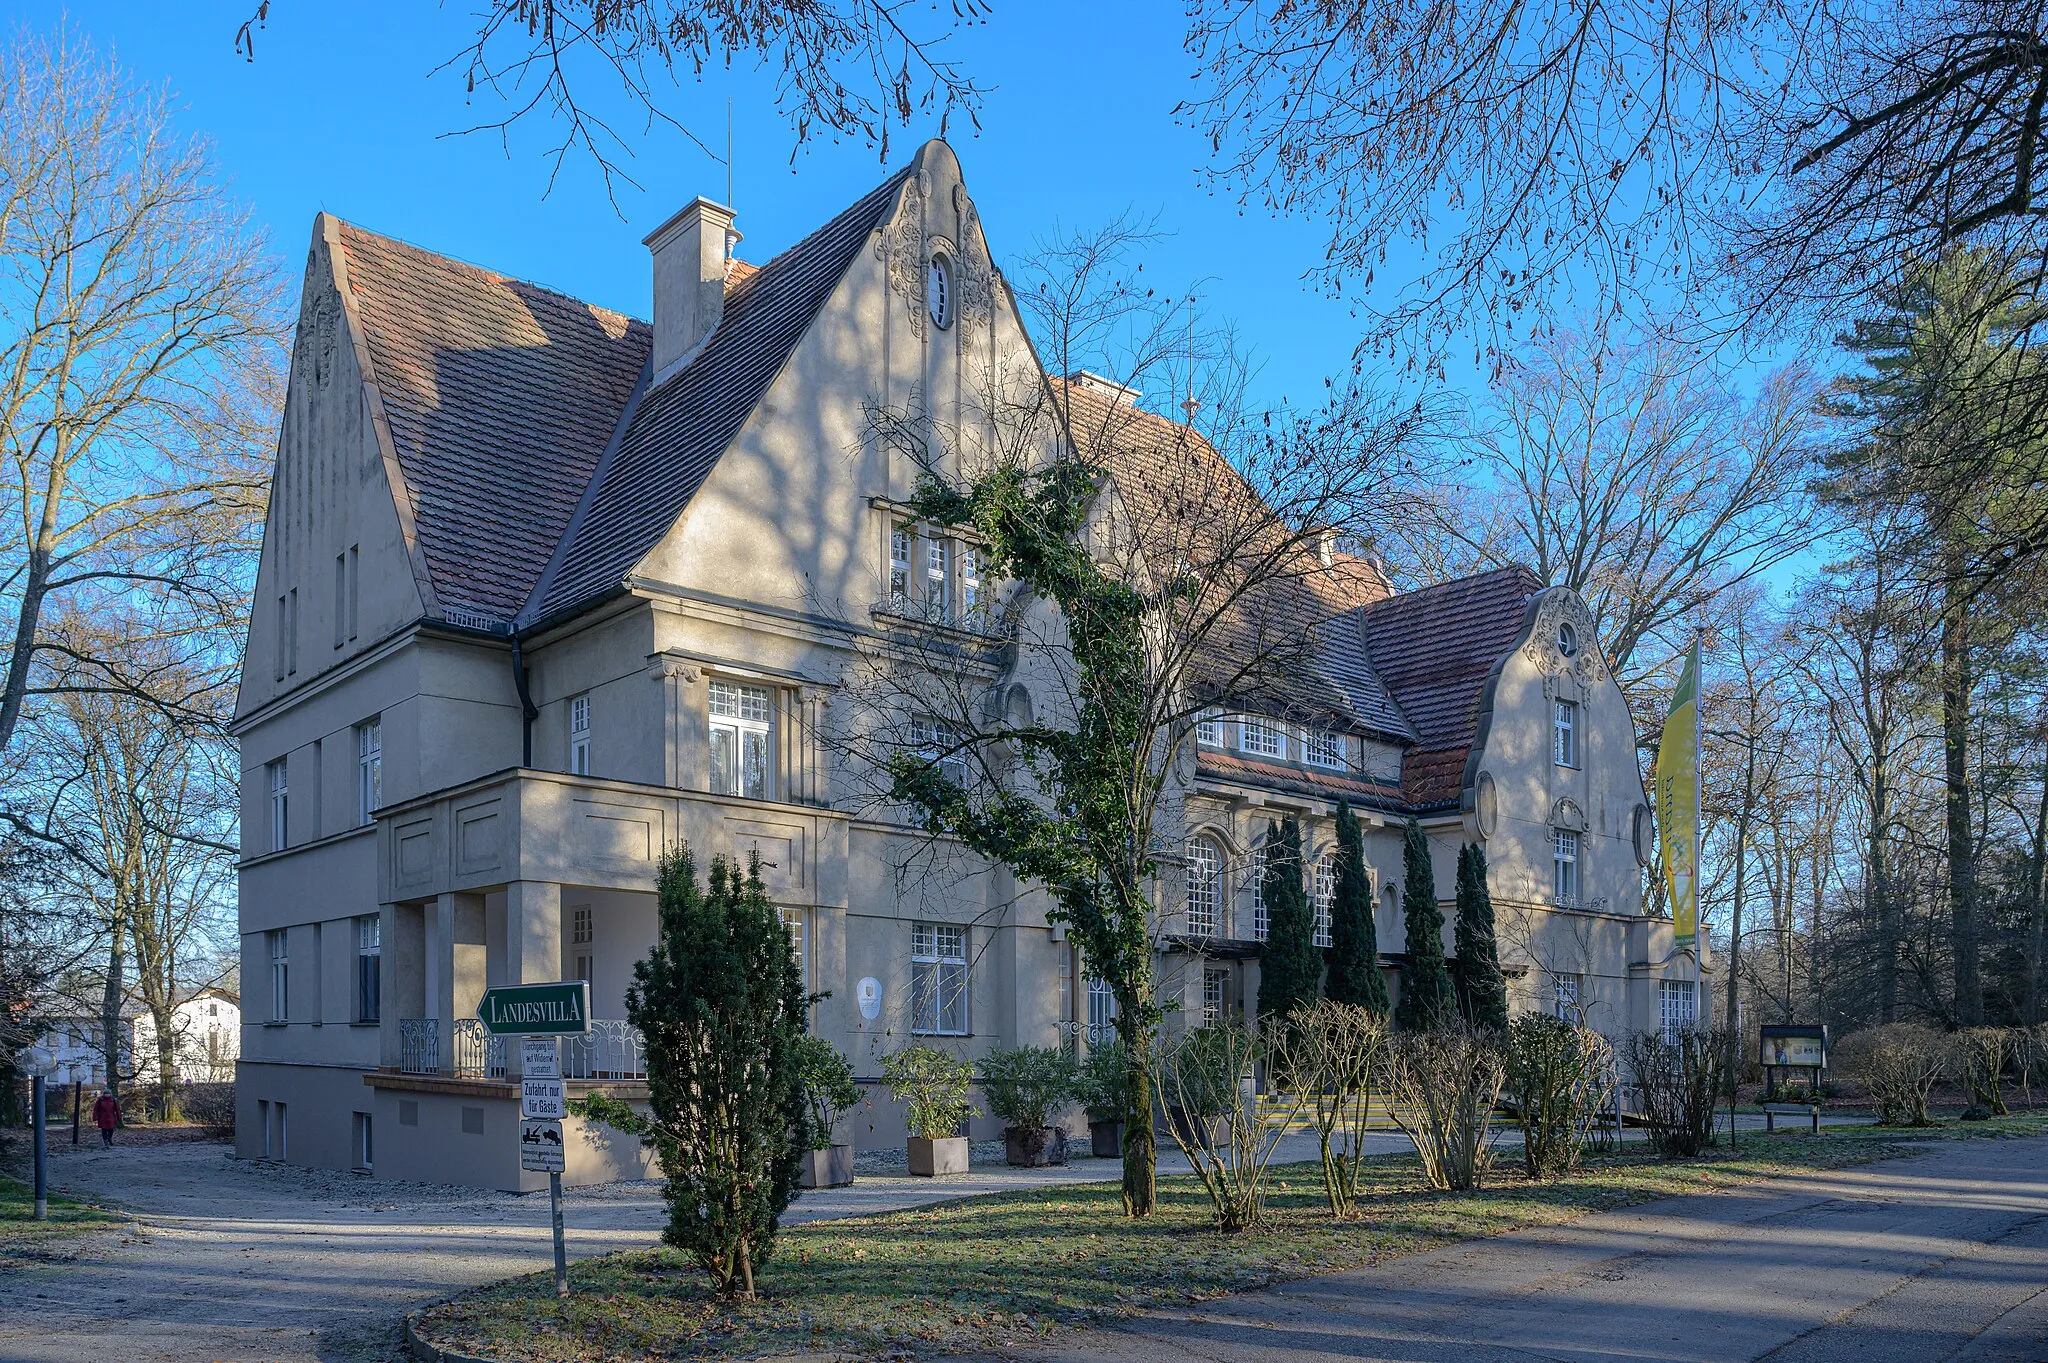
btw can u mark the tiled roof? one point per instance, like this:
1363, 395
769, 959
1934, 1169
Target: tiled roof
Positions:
1320, 784
1197, 508
501, 396
1435, 648
676, 432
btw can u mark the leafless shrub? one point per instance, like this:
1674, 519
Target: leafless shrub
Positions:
1679, 1076
1330, 1055
1444, 1084
1558, 1078
1981, 1053
1205, 1082
1900, 1063
212, 1107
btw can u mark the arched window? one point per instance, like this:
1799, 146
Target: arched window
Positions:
1325, 896
1205, 887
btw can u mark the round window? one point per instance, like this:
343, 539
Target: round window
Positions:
1567, 640
938, 290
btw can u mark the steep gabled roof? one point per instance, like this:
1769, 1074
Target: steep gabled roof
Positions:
675, 434
1435, 648
501, 396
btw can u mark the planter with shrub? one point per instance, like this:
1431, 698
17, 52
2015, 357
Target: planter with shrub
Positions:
932, 1086
830, 1093
1028, 1087
1100, 1089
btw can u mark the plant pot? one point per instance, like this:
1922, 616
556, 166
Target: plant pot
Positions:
1034, 1147
1106, 1138
831, 1167
1201, 1132
937, 1158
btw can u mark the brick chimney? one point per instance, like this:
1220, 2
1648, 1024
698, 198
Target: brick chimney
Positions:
691, 253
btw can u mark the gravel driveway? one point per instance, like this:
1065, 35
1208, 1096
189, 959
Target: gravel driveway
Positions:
242, 1260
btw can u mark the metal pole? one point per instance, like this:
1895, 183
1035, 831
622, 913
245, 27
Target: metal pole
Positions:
77, 1087
42, 1151
561, 1250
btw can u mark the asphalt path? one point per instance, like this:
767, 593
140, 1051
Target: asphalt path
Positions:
1939, 1256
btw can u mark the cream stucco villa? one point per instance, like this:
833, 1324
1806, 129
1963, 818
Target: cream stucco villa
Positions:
542, 591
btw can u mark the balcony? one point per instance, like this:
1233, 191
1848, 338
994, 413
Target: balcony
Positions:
613, 1052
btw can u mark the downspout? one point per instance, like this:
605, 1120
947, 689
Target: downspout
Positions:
527, 711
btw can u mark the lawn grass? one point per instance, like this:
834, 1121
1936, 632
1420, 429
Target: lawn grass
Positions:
987, 1272
23, 1237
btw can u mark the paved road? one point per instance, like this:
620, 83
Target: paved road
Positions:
241, 1260
1943, 1256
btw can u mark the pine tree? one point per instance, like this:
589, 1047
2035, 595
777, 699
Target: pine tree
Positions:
1354, 942
1482, 992
1427, 998
1290, 967
720, 1004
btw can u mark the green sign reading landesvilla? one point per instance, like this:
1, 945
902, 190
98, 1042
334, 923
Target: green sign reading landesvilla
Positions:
536, 1009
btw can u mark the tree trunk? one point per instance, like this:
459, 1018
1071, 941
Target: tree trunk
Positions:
14, 690
111, 996
165, 1019
1141, 1154
1955, 735
1878, 901
2037, 902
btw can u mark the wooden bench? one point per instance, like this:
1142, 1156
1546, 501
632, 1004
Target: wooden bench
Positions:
1809, 1112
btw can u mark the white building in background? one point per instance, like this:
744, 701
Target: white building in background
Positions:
207, 1028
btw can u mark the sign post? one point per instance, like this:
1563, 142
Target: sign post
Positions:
537, 1014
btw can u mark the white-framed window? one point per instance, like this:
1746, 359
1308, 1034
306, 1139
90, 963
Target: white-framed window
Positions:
1215, 993
1209, 728
1565, 730
582, 926
280, 805
1259, 919
934, 740
1567, 638
1101, 1011
579, 735
1324, 897
1564, 887
1677, 1006
793, 922
369, 768
1564, 996
739, 740
938, 979
369, 951
938, 291
902, 546
1321, 748
280, 974
938, 579
363, 1149
972, 604
1066, 984
1260, 737
1205, 887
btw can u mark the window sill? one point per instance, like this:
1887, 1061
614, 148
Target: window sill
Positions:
366, 1022
277, 1022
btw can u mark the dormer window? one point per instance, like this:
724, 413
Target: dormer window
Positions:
1321, 748
938, 291
1261, 739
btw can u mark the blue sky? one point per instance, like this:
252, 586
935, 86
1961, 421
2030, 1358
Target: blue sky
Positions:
340, 111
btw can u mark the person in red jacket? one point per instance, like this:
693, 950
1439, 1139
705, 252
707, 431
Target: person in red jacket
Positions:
106, 1115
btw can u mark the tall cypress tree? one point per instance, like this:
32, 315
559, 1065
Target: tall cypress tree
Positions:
1354, 942
1427, 998
1482, 991
1290, 967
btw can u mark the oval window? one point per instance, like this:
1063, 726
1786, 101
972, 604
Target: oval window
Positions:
1567, 640
938, 290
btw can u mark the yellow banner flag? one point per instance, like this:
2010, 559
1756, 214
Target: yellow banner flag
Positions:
1678, 801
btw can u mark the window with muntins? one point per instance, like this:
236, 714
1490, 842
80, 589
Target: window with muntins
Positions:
1101, 1012
934, 740
280, 806
1205, 887
938, 578
1677, 1006
938, 979
369, 948
582, 928
280, 975
1259, 895
1325, 896
740, 717
1215, 990
793, 924
1565, 749
972, 605
1260, 738
369, 768
579, 735
1321, 748
1209, 729
902, 546
1565, 997
1565, 861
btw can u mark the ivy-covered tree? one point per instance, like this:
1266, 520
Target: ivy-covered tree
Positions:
1427, 998
1482, 991
720, 1004
1354, 965
1290, 967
